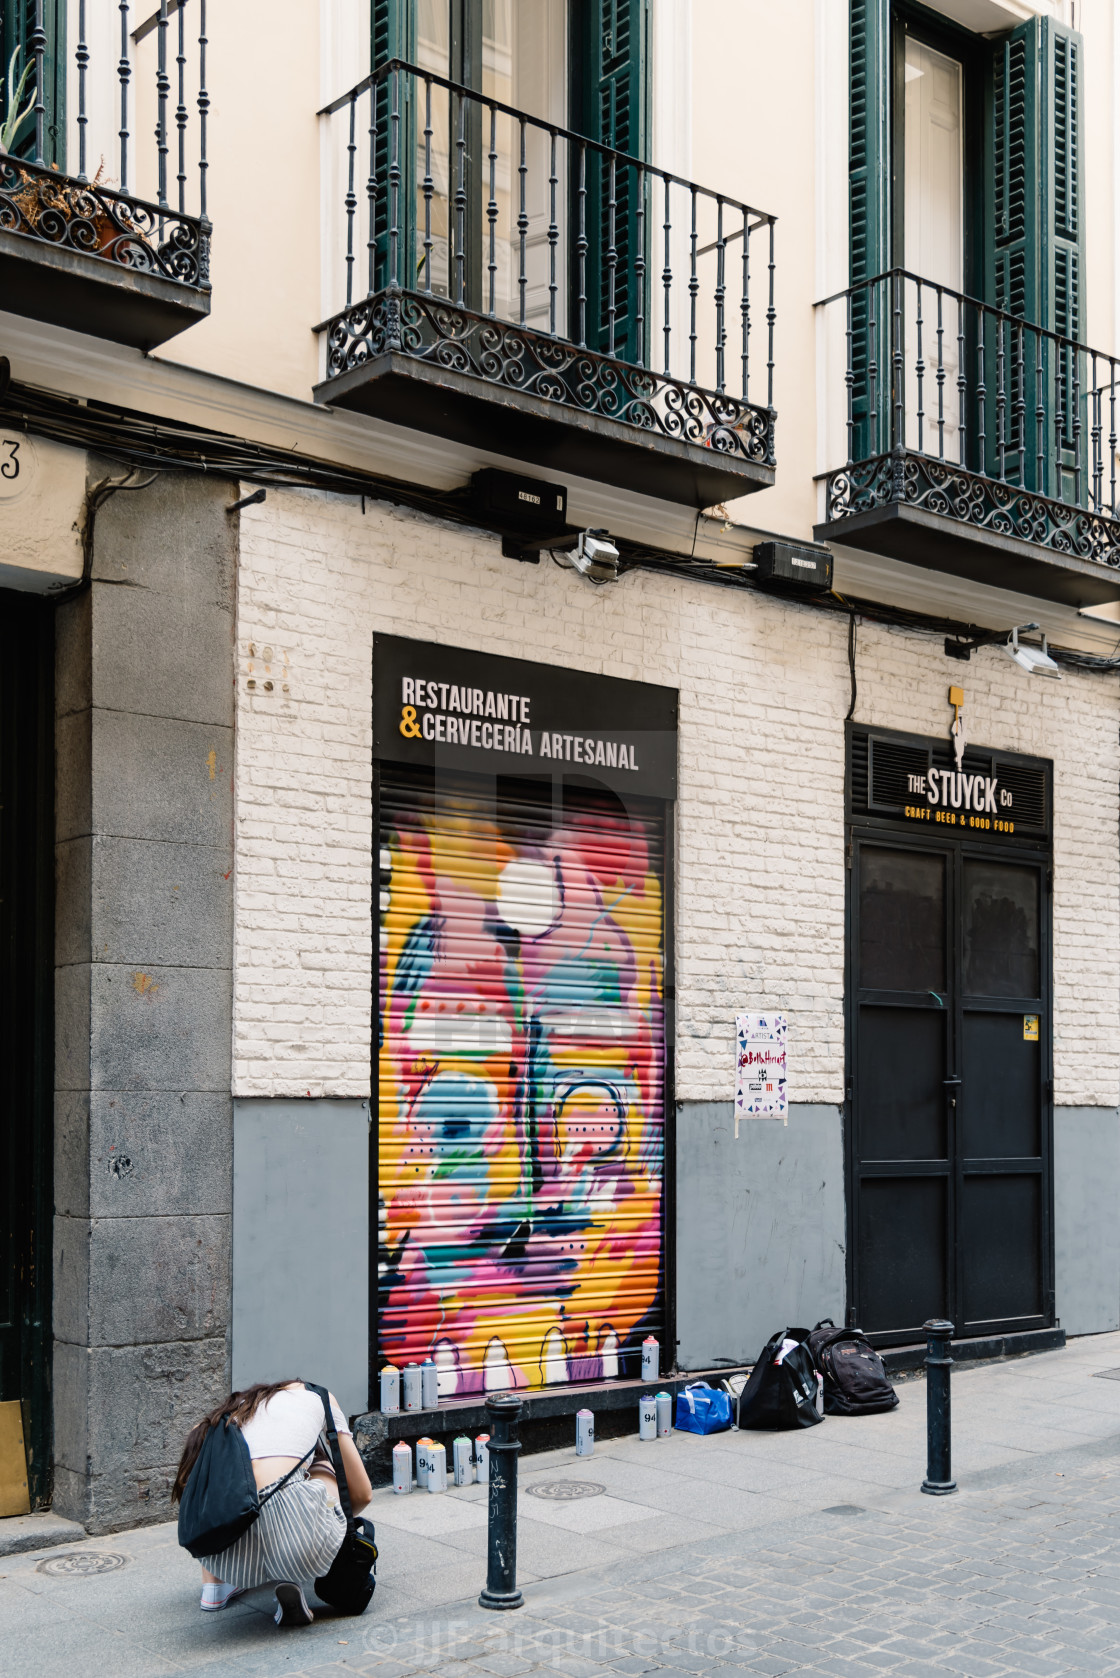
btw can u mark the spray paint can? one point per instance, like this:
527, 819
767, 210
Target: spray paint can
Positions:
429, 1384
482, 1458
664, 1415
585, 1433
463, 1458
402, 1467
423, 1461
647, 1417
411, 1384
437, 1468
651, 1358
390, 1389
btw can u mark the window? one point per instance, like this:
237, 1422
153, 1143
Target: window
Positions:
516, 52
581, 64
965, 159
965, 171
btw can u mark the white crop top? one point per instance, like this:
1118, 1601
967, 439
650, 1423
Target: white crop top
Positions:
289, 1423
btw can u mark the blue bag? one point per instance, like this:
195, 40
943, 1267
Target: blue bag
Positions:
703, 1409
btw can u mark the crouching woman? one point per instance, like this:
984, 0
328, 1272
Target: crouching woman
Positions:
301, 1526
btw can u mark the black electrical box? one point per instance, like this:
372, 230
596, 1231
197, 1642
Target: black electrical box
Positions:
516, 503
788, 566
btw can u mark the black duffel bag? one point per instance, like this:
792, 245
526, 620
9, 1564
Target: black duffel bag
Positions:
855, 1381
348, 1583
783, 1388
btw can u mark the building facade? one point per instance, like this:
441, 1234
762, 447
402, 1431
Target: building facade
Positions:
498, 586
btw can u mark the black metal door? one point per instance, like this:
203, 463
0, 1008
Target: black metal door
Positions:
26, 1067
950, 1089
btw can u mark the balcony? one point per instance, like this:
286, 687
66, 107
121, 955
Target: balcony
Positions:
497, 277
976, 443
124, 257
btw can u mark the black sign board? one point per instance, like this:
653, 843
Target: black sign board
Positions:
990, 795
447, 708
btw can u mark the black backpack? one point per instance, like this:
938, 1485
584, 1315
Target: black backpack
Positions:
220, 1500
781, 1395
855, 1382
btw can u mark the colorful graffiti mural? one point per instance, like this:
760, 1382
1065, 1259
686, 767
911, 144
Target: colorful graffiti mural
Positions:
521, 1136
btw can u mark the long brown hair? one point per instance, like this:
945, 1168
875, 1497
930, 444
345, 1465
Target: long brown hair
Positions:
239, 1407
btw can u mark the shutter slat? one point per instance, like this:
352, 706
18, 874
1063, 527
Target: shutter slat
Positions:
521, 1082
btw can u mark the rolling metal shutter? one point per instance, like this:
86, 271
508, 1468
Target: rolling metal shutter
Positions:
521, 1083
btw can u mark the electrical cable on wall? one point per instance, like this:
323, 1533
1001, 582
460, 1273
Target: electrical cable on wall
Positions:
137, 441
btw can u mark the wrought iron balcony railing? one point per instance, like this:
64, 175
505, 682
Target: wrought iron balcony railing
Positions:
975, 441
96, 233
495, 269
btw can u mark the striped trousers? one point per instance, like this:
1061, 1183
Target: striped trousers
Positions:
296, 1536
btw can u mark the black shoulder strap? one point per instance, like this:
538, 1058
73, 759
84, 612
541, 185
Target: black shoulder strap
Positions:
336, 1453
280, 1484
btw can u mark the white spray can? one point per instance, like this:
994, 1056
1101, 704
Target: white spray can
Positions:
650, 1359
482, 1458
437, 1468
411, 1383
429, 1384
423, 1462
390, 1389
647, 1417
664, 1415
402, 1467
463, 1458
585, 1433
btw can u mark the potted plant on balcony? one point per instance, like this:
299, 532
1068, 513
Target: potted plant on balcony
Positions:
16, 117
60, 211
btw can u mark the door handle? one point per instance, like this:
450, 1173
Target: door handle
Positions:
951, 1083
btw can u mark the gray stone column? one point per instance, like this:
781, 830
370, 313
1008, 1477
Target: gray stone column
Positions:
144, 955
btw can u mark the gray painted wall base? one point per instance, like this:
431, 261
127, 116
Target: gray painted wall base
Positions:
760, 1228
300, 1245
1086, 1228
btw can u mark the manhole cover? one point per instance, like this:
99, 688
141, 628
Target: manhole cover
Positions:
566, 1491
77, 1564
1107, 1374
845, 1509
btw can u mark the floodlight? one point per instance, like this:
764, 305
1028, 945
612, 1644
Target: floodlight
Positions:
1036, 661
594, 557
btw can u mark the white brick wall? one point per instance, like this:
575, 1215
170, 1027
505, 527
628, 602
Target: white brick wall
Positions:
760, 830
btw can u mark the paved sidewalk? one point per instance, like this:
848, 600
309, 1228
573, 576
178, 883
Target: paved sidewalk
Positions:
811, 1552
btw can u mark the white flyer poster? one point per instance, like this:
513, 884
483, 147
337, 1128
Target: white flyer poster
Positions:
760, 1083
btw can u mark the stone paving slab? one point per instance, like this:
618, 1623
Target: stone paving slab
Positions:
1019, 1573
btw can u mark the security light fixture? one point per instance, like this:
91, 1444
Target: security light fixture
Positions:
1036, 661
594, 557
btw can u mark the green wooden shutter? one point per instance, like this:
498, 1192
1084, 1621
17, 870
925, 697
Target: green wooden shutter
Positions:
869, 83
17, 25
611, 106
1013, 143
1035, 246
1062, 247
393, 33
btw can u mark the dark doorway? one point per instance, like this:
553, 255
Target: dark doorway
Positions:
26, 1036
950, 1092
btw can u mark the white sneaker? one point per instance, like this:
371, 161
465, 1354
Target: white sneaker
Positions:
291, 1606
217, 1596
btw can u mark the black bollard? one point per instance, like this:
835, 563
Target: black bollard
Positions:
939, 1480
501, 1533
